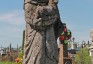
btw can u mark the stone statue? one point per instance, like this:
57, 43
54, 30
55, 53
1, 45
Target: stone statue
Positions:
42, 20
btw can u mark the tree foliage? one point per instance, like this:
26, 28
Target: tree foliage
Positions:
82, 56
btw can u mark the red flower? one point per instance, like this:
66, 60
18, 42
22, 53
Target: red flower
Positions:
61, 38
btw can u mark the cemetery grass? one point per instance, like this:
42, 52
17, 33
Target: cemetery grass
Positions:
7, 62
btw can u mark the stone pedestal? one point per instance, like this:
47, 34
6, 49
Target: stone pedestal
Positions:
91, 47
60, 53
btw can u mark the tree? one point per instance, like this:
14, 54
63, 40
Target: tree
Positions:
82, 56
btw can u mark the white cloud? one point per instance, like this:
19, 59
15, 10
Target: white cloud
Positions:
14, 18
12, 25
15, 22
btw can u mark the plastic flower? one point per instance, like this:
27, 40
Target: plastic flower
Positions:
18, 60
61, 38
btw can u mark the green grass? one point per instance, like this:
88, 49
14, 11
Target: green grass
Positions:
7, 62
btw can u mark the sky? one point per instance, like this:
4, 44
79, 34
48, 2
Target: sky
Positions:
77, 14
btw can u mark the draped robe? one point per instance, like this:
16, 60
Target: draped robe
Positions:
40, 45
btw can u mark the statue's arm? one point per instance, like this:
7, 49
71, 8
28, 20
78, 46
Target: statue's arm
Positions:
49, 13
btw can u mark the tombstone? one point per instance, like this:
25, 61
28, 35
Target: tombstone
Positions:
91, 47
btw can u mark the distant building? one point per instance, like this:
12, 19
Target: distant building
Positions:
6, 51
72, 50
2, 52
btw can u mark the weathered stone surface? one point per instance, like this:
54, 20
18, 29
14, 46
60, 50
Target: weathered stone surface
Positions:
40, 41
36, 1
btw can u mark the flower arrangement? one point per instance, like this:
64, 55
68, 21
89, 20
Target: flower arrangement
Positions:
65, 36
18, 60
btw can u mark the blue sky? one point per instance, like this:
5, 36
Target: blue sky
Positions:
77, 14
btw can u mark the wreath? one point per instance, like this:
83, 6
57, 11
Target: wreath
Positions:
65, 36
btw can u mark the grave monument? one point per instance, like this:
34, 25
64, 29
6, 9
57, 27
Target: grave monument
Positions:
43, 26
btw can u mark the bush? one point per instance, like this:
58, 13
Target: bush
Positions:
82, 56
